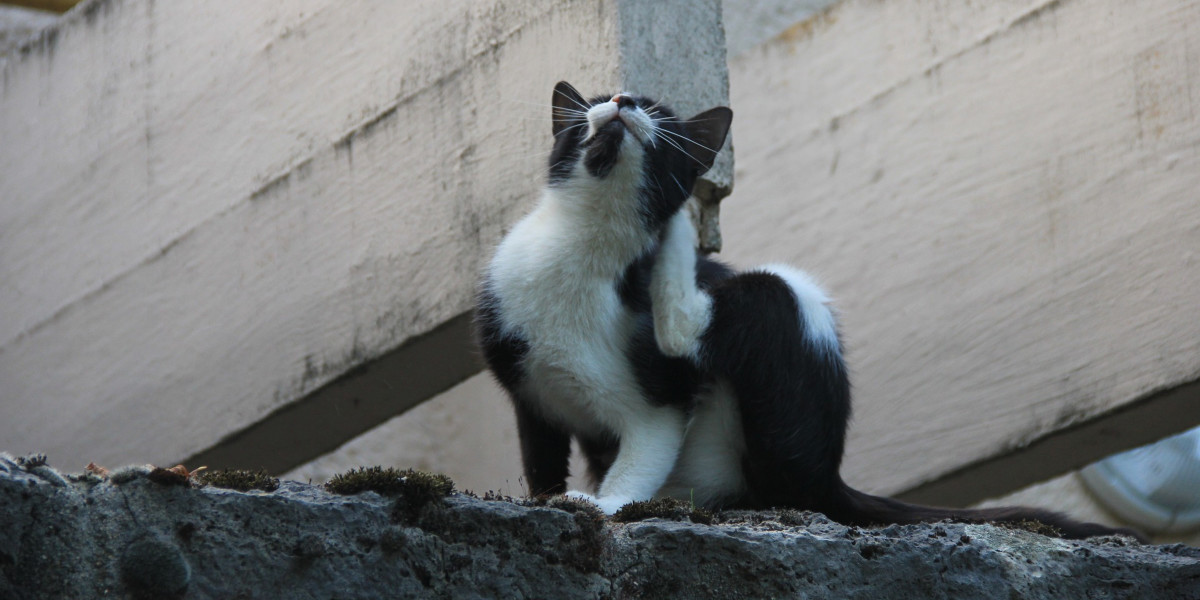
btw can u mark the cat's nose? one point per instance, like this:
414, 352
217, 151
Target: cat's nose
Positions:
623, 101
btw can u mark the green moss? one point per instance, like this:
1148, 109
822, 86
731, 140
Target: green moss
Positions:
574, 506
163, 476
584, 547
490, 496
129, 473
663, 508
1033, 526
415, 489
239, 479
390, 482
32, 461
795, 518
87, 477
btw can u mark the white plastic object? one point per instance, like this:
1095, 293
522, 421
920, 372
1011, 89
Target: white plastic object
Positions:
1156, 487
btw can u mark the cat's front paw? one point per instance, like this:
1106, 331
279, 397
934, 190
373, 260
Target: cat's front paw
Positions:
608, 504
586, 497
678, 328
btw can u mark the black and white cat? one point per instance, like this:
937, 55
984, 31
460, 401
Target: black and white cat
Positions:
678, 376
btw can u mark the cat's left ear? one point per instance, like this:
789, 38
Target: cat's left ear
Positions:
568, 105
706, 134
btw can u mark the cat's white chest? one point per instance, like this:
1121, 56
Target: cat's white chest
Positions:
557, 296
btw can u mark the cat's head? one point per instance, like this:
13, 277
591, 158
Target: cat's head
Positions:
625, 135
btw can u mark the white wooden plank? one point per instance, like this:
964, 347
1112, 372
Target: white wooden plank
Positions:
1002, 197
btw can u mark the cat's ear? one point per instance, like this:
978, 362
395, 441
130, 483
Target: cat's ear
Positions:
706, 134
568, 104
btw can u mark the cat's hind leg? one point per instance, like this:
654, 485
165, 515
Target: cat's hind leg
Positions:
545, 451
773, 337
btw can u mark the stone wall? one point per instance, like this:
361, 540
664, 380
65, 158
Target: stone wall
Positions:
140, 534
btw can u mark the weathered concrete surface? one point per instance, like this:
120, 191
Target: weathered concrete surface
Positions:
95, 538
749, 23
18, 24
236, 205
1002, 198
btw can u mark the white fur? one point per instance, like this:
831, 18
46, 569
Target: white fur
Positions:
649, 449
819, 321
681, 310
709, 470
636, 121
553, 277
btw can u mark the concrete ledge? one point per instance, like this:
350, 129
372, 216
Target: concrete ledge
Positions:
89, 537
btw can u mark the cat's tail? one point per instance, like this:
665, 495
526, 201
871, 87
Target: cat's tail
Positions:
852, 507
773, 338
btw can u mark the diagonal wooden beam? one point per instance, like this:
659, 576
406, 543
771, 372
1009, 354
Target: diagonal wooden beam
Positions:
58, 6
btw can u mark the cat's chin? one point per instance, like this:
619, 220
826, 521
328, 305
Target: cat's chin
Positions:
604, 147
611, 132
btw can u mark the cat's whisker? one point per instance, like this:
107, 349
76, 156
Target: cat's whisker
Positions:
541, 105
687, 139
668, 140
577, 103
583, 124
521, 158
657, 183
681, 188
680, 147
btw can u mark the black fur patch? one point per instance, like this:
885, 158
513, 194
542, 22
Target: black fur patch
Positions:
602, 151
668, 171
795, 401
502, 351
545, 450
565, 153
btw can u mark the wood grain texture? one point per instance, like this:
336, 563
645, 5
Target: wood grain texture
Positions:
1001, 197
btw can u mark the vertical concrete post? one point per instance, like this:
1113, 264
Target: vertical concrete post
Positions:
672, 50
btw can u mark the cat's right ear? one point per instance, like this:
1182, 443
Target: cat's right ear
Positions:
568, 105
706, 135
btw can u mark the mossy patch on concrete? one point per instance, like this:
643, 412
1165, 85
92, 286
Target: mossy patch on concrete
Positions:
663, 508
390, 482
242, 480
